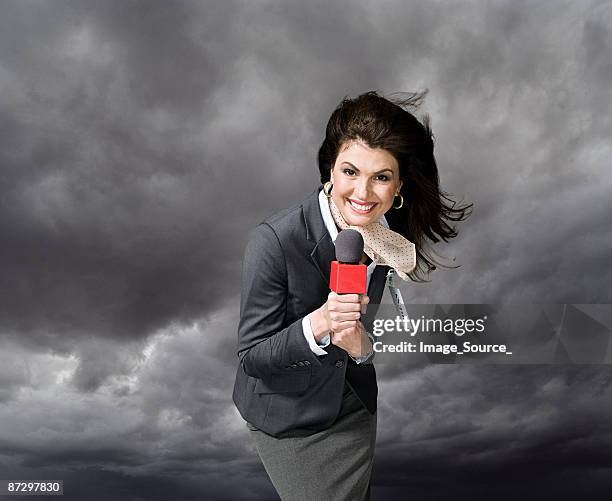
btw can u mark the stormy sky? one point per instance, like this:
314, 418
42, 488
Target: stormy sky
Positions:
140, 141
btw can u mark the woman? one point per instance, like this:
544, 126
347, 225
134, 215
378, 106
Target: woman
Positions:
306, 384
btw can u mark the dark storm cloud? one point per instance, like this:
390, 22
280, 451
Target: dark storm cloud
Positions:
14, 374
502, 431
167, 416
141, 141
109, 211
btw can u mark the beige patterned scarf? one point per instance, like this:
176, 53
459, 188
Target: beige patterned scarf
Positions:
382, 245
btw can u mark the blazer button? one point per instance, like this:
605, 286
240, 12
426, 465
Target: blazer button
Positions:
300, 363
293, 366
339, 363
306, 362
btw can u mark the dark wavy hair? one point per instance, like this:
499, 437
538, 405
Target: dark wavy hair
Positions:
386, 123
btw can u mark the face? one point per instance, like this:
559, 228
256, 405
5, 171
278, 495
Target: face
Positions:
365, 182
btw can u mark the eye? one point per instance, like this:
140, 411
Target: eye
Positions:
382, 177
348, 172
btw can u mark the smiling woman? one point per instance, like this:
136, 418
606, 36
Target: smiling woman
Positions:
306, 384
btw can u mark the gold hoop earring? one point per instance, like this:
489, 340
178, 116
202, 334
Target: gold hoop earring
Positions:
327, 187
401, 201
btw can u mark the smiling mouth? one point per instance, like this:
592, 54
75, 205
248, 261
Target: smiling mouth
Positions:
360, 208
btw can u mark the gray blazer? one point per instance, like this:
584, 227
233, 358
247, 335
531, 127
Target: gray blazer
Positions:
281, 385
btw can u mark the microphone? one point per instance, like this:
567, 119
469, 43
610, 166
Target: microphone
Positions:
347, 275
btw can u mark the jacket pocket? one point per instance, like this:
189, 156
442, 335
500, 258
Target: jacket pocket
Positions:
284, 383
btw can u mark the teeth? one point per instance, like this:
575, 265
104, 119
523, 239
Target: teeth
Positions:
361, 207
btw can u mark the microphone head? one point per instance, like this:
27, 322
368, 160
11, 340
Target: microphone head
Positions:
349, 246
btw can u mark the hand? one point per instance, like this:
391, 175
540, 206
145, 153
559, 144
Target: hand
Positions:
353, 340
341, 315
343, 311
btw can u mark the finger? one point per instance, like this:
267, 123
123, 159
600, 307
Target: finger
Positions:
344, 322
345, 316
344, 307
343, 326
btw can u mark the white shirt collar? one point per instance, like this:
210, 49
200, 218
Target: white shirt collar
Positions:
329, 220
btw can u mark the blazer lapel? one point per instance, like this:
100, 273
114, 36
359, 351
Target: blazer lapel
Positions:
323, 251
377, 283
322, 255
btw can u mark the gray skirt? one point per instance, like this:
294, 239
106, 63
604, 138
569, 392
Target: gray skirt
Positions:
334, 464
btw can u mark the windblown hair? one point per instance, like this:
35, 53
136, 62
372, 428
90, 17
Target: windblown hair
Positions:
386, 123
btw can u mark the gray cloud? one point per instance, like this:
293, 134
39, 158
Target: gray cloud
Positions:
141, 141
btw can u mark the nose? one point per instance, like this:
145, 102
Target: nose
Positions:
362, 190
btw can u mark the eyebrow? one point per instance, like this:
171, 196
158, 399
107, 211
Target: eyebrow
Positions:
379, 172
